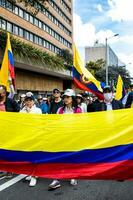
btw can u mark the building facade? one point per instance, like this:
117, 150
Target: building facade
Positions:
99, 52
51, 30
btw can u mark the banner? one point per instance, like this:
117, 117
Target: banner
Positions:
82, 146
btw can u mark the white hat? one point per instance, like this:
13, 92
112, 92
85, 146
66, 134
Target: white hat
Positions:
29, 94
69, 92
23, 95
45, 98
79, 95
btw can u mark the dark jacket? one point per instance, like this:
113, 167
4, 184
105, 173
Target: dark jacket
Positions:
55, 106
129, 100
101, 106
11, 105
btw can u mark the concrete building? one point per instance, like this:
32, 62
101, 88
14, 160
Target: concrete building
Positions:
99, 52
50, 30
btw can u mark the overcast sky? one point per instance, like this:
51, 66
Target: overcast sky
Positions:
98, 19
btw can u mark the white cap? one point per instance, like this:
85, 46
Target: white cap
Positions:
45, 98
23, 95
69, 92
29, 94
79, 95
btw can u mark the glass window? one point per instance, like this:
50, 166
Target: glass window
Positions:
36, 39
40, 24
44, 43
44, 27
40, 41
27, 35
26, 16
21, 13
36, 22
15, 10
9, 6
31, 19
9, 27
2, 24
31, 37
3, 3
21, 32
15, 30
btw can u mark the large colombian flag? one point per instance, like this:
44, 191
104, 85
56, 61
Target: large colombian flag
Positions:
83, 79
83, 146
7, 74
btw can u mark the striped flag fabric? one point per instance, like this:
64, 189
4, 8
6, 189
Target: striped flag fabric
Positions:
7, 73
83, 79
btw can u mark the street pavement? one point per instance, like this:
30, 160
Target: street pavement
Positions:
85, 190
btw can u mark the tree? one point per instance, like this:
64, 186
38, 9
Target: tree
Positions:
67, 57
33, 6
114, 72
93, 67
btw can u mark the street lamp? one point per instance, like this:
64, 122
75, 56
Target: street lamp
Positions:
106, 57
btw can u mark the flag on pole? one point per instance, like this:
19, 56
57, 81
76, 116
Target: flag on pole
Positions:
83, 79
7, 74
120, 90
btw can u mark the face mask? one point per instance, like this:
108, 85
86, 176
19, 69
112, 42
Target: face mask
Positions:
108, 96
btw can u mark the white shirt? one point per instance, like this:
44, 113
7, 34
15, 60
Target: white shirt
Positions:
109, 106
34, 110
83, 106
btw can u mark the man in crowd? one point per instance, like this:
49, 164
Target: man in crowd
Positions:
109, 102
42, 105
129, 102
56, 102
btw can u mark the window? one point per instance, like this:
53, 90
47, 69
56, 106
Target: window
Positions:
40, 41
3, 3
26, 16
21, 32
15, 30
27, 35
2, 24
40, 24
36, 22
21, 13
9, 6
44, 27
31, 19
31, 37
15, 10
36, 39
44, 43
9, 27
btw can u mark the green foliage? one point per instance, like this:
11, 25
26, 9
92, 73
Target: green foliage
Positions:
93, 67
31, 54
67, 57
114, 72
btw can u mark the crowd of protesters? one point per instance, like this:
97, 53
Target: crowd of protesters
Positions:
67, 103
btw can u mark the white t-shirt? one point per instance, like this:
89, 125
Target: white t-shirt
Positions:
34, 110
109, 106
83, 106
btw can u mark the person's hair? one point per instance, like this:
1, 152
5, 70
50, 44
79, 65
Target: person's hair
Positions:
74, 103
3, 87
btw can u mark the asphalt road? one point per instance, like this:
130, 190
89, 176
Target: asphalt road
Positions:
85, 190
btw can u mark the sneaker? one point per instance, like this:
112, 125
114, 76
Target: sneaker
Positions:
28, 178
73, 182
54, 185
33, 182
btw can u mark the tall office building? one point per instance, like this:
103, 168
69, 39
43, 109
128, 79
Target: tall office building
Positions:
50, 30
99, 52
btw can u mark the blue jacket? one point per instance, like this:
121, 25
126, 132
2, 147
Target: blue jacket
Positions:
44, 108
